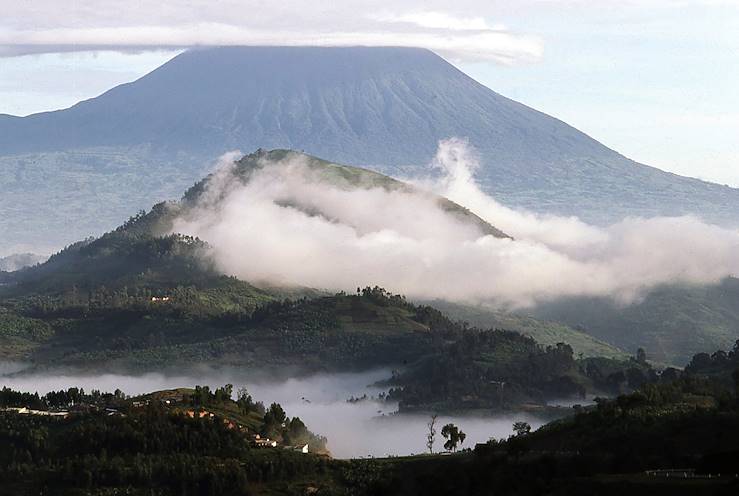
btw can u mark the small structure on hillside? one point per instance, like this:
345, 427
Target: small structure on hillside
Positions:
263, 442
301, 448
230, 424
199, 414
28, 411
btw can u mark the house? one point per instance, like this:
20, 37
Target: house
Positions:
60, 414
265, 442
301, 448
27, 411
17, 409
199, 414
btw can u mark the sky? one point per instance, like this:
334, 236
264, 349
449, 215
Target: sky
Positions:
653, 79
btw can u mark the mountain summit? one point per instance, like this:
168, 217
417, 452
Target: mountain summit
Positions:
385, 108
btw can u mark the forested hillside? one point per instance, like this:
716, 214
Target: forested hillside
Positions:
672, 323
676, 434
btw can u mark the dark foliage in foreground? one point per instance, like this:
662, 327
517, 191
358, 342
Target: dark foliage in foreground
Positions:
688, 421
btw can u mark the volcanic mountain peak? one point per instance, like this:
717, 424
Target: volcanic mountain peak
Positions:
386, 108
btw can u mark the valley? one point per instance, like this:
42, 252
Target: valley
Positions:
594, 449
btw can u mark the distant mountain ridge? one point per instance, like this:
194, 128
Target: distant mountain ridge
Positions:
386, 108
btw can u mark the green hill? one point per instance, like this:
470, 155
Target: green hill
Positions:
192, 441
140, 296
340, 176
671, 323
545, 332
127, 330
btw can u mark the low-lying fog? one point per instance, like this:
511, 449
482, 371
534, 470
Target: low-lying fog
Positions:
365, 428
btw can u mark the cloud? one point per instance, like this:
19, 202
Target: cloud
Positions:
285, 224
440, 20
47, 26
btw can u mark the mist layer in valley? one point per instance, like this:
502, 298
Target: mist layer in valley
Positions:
354, 429
283, 225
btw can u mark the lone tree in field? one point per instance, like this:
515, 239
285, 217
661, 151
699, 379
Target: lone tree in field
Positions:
453, 435
430, 437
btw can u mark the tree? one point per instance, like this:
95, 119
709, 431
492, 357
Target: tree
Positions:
224, 393
297, 432
453, 435
521, 428
276, 413
244, 401
641, 356
274, 420
430, 437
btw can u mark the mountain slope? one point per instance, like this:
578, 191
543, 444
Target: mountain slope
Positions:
142, 296
342, 177
143, 250
672, 323
383, 107
544, 332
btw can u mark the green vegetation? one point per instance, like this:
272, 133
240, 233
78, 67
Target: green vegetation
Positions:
341, 176
546, 333
453, 435
130, 300
504, 370
169, 442
672, 323
138, 297
125, 327
675, 435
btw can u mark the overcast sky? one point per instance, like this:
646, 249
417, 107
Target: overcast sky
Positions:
654, 79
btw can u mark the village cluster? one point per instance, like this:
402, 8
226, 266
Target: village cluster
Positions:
256, 440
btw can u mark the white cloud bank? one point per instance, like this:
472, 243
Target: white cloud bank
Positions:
342, 238
50, 26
